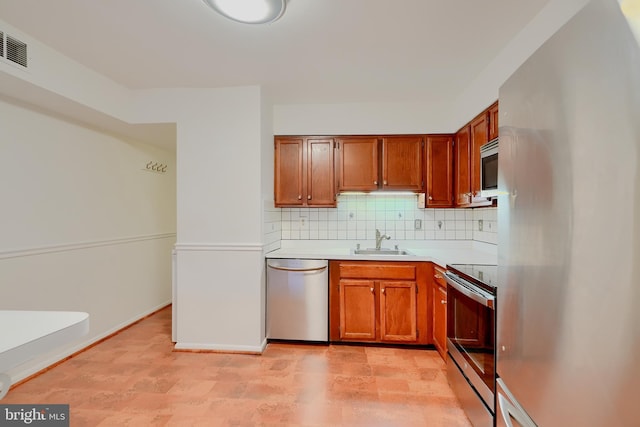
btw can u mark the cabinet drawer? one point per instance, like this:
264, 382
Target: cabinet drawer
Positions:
438, 276
378, 271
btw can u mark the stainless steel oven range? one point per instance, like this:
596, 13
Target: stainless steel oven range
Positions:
471, 332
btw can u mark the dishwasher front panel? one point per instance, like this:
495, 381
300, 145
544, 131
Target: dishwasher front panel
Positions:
298, 299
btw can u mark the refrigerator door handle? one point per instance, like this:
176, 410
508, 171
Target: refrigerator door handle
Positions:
511, 411
485, 300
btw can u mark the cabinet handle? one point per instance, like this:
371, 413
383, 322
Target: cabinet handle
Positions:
384, 182
443, 301
299, 197
437, 276
383, 290
371, 290
430, 198
309, 197
375, 182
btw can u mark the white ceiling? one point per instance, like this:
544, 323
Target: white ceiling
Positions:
320, 51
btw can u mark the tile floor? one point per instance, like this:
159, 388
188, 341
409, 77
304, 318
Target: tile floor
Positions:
135, 379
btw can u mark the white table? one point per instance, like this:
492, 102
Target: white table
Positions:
28, 334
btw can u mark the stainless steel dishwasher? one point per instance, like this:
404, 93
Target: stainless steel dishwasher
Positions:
298, 299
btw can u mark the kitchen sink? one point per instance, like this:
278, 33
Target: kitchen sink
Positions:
382, 251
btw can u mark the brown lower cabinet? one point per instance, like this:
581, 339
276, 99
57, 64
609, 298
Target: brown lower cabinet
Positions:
439, 304
377, 301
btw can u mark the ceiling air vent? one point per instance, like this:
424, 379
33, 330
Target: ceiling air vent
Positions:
13, 49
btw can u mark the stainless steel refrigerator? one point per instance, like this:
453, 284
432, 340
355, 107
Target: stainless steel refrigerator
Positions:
568, 319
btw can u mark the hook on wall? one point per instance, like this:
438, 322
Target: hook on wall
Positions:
155, 167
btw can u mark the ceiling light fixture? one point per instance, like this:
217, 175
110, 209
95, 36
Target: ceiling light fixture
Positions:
249, 11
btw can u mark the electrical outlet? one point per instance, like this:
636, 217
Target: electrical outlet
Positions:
417, 224
480, 225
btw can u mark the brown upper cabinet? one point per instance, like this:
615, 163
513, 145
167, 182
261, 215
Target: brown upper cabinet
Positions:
369, 163
462, 167
469, 139
439, 171
479, 137
357, 163
304, 172
493, 121
402, 160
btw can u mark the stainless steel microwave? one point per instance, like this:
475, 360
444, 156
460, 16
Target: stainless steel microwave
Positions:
489, 169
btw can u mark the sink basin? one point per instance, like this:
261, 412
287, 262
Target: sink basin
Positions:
382, 251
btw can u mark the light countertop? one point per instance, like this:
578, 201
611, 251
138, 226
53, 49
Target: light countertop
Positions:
441, 252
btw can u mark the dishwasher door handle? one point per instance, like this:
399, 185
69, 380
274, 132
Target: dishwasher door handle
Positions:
324, 267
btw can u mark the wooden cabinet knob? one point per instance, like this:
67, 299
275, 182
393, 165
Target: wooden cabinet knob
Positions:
371, 290
309, 197
375, 182
430, 198
384, 182
299, 197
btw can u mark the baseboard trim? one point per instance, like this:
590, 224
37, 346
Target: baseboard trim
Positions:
220, 348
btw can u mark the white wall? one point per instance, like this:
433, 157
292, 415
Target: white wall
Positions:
483, 91
434, 116
219, 193
353, 119
220, 220
84, 226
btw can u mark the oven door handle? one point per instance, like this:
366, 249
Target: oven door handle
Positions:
485, 300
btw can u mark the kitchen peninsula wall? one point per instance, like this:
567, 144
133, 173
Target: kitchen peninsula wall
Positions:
358, 216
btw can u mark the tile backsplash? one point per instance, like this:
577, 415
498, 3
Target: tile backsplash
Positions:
358, 216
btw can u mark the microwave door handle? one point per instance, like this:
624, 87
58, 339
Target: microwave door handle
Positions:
486, 301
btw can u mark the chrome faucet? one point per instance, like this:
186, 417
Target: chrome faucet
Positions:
379, 238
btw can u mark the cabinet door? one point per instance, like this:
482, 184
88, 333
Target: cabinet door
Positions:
439, 171
439, 298
402, 159
493, 121
357, 164
479, 137
357, 310
398, 311
321, 189
462, 167
289, 175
